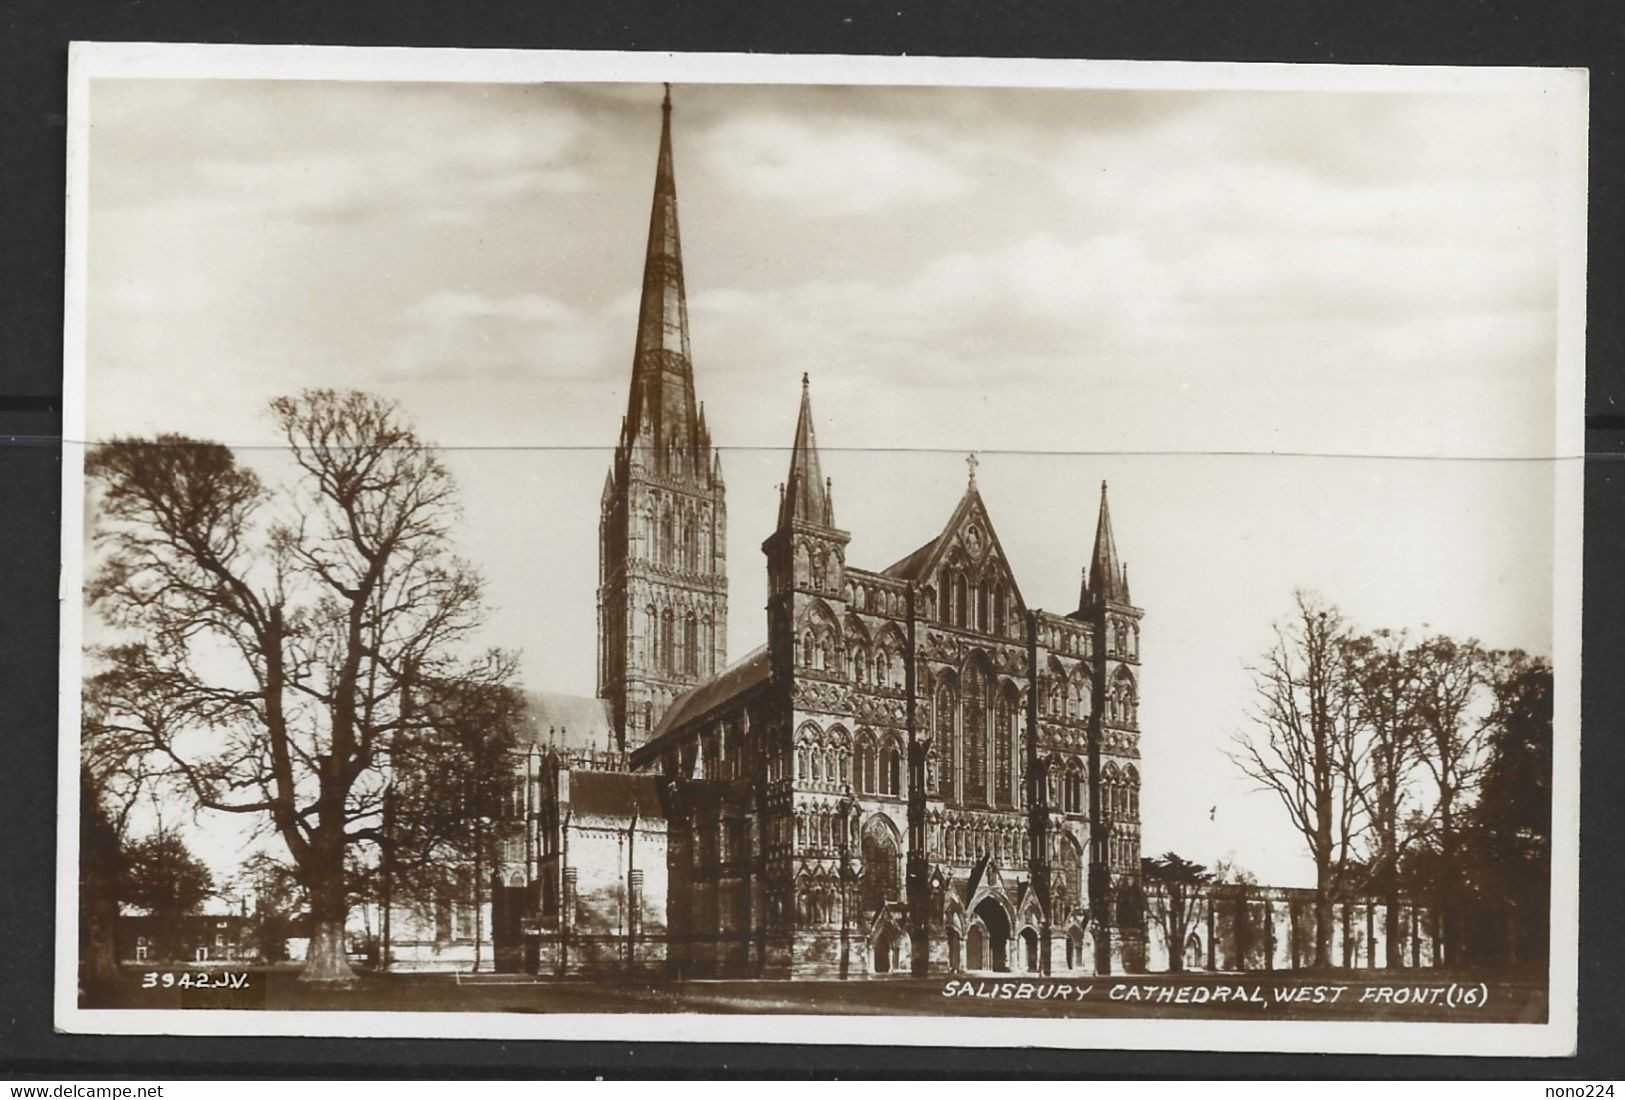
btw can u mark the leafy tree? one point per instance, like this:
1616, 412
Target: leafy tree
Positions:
1176, 910
1508, 840
162, 876
100, 867
276, 631
1305, 747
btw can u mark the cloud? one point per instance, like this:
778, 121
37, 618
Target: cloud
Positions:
1141, 343
461, 335
334, 153
829, 172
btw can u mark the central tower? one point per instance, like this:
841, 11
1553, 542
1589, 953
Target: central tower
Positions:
662, 528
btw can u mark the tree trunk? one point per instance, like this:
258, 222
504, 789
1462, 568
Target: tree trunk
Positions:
479, 913
98, 892
1395, 941
1176, 942
1445, 951
1323, 915
327, 959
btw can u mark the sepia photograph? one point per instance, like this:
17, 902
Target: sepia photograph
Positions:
706, 547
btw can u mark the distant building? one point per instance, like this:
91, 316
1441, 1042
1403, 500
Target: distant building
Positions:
220, 934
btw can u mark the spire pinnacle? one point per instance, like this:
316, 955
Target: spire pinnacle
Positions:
1108, 580
662, 394
807, 496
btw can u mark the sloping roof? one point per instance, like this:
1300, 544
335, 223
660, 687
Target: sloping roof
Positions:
568, 721
912, 567
614, 794
918, 565
747, 672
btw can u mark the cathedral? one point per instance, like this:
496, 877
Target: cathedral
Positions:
916, 773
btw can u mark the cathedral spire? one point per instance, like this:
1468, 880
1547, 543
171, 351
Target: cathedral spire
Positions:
662, 396
806, 492
663, 530
1107, 579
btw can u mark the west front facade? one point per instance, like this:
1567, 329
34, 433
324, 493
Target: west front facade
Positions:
918, 773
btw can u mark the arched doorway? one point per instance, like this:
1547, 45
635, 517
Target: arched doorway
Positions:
1029, 950
976, 947
996, 923
1193, 954
954, 962
884, 946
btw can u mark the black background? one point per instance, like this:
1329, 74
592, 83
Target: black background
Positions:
34, 39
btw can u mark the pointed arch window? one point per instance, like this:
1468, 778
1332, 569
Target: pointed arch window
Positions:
959, 599
975, 727
942, 740
1074, 793
880, 879
1004, 748
691, 645
891, 771
667, 642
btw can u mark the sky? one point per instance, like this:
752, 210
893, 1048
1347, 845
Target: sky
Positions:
1308, 337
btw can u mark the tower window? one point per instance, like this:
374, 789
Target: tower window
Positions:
890, 771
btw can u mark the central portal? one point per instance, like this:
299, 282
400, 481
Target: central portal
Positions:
995, 948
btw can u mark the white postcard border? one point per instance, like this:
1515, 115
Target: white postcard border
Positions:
89, 61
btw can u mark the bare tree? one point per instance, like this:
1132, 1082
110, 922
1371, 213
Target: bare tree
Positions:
1452, 678
275, 631
1383, 679
1304, 747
